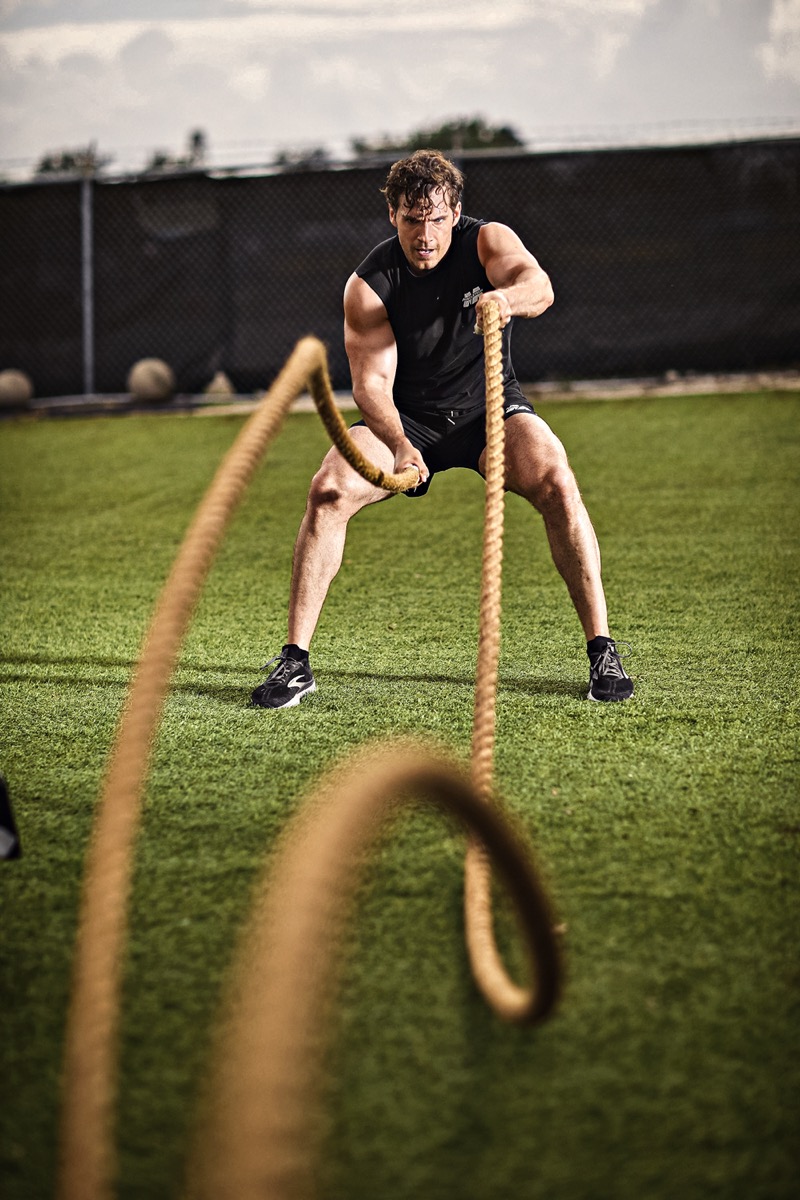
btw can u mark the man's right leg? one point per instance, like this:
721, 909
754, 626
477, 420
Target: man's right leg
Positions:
336, 494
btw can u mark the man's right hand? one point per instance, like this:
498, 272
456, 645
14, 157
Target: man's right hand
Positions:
406, 455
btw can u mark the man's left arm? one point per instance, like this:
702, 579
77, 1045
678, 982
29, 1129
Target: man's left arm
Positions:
522, 288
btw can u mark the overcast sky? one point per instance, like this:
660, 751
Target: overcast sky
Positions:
261, 75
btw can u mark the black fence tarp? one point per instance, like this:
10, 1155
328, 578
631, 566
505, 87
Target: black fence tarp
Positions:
662, 259
40, 285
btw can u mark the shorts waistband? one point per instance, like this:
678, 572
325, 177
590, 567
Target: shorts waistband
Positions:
427, 414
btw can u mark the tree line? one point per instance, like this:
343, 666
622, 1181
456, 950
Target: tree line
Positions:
451, 136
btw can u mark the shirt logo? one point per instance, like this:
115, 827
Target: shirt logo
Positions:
472, 297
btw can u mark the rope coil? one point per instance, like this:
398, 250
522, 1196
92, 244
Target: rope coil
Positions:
256, 1136
86, 1160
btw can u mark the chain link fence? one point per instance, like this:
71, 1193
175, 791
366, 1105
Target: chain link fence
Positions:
683, 259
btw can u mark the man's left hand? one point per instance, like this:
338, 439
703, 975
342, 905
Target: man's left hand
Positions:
502, 302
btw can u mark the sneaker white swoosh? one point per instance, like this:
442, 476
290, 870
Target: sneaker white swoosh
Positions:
295, 683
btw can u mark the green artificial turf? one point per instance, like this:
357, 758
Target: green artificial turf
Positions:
666, 829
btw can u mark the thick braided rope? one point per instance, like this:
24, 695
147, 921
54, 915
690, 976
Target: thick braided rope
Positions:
320, 388
86, 1164
86, 1150
491, 575
256, 1139
505, 997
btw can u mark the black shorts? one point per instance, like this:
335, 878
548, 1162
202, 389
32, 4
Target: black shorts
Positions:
454, 439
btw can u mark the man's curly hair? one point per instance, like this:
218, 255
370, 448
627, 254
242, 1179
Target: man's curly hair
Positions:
423, 172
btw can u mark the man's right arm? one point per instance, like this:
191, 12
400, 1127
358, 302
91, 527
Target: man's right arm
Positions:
372, 354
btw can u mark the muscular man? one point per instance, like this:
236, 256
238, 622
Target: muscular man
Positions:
411, 310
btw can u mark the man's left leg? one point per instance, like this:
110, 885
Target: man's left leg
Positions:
537, 469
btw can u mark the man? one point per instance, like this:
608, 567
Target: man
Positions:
410, 310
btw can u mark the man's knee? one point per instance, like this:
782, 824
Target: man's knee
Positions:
554, 490
537, 467
337, 490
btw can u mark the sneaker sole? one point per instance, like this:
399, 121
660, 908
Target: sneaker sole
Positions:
609, 699
295, 700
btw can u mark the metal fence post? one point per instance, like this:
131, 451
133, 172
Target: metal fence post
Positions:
87, 283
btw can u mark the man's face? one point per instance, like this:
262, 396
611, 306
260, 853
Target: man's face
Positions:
425, 229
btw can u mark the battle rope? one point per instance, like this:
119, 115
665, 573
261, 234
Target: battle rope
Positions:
509, 1001
86, 1163
256, 1138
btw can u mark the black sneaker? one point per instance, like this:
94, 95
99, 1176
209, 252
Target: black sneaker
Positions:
287, 684
608, 679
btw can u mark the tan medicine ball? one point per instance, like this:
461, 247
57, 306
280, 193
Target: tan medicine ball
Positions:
220, 385
151, 380
16, 389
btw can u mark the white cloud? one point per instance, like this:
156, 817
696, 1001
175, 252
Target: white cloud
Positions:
339, 21
466, 10
780, 56
278, 23
277, 73
9, 7
251, 82
607, 47
47, 45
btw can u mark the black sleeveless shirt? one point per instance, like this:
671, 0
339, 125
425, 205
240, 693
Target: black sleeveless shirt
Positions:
439, 356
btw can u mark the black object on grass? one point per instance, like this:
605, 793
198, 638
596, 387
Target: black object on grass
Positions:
9, 837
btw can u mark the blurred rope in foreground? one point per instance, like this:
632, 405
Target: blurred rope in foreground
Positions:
284, 959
